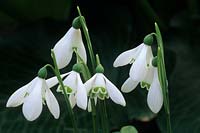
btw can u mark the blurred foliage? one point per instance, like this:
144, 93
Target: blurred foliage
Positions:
29, 29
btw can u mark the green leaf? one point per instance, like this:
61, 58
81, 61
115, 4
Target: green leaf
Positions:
183, 88
128, 129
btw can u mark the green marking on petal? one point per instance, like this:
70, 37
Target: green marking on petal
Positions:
95, 90
69, 90
145, 85
132, 61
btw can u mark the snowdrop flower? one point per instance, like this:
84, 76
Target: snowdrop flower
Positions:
65, 47
75, 88
33, 95
155, 95
100, 87
141, 69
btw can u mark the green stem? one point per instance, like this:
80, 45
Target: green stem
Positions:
57, 73
163, 77
89, 44
92, 58
93, 115
104, 118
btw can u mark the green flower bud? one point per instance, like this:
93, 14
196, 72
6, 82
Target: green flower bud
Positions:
77, 67
155, 61
99, 69
76, 23
42, 73
148, 39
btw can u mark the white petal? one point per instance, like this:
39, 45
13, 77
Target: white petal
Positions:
99, 81
89, 106
53, 81
72, 100
71, 81
52, 103
139, 67
32, 106
80, 46
17, 97
127, 56
114, 93
149, 75
89, 84
149, 56
155, 96
129, 85
81, 95
64, 48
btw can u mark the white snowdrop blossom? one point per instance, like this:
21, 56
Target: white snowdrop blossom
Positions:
64, 48
33, 95
100, 87
141, 69
75, 88
155, 95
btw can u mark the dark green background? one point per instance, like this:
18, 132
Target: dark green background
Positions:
30, 28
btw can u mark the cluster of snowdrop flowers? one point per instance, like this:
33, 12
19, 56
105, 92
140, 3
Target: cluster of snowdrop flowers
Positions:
142, 71
37, 92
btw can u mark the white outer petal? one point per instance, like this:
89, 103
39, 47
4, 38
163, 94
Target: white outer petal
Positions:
53, 81
99, 81
89, 84
52, 102
139, 67
127, 56
63, 48
71, 81
149, 55
114, 93
149, 75
81, 95
129, 85
32, 106
72, 100
80, 46
17, 98
155, 96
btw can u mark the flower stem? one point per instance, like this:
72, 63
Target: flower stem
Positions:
87, 36
92, 58
104, 117
71, 113
93, 115
163, 77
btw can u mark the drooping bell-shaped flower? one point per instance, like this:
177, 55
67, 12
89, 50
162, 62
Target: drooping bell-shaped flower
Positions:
141, 69
155, 95
75, 88
100, 87
65, 47
33, 95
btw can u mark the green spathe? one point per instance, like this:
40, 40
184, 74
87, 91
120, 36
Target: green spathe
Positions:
99, 69
42, 73
76, 24
77, 67
148, 39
